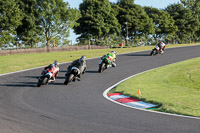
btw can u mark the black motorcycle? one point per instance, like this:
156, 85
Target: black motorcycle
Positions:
71, 76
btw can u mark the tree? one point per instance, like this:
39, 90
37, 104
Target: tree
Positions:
10, 18
186, 21
193, 5
164, 24
98, 20
56, 20
139, 23
30, 31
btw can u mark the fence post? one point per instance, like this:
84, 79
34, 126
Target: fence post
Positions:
17, 44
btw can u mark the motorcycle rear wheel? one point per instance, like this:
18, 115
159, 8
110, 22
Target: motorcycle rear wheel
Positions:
69, 79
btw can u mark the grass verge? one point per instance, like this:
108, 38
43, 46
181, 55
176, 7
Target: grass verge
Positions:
175, 88
12, 63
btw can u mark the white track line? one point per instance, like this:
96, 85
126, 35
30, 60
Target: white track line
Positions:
110, 88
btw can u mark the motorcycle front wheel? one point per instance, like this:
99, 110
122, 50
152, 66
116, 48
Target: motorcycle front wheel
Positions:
39, 82
42, 81
153, 52
101, 67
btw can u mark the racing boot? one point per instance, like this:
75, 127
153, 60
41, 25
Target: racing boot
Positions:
52, 79
113, 64
78, 77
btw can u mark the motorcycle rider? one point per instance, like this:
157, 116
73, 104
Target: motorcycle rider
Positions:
54, 69
161, 46
112, 57
80, 64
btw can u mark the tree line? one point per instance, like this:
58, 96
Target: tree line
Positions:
29, 22
98, 22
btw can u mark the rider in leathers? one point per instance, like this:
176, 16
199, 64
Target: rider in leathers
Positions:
161, 46
112, 56
53, 68
80, 64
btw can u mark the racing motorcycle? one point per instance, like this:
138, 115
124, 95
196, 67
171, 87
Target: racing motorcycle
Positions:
71, 76
44, 78
104, 64
156, 51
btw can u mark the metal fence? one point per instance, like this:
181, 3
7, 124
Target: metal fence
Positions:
53, 49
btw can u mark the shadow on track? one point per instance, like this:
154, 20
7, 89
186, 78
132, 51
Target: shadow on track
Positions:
135, 54
60, 77
21, 84
63, 71
92, 72
56, 83
33, 77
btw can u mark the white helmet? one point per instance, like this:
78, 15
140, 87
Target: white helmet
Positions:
113, 52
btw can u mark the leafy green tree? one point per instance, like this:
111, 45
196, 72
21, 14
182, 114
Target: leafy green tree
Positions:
186, 21
193, 5
98, 20
139, 23
10, 18
30, 31
56, 20
164, 24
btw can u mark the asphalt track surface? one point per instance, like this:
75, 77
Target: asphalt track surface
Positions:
80, 106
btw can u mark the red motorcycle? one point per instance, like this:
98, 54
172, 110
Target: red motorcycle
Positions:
46, 77
157, 50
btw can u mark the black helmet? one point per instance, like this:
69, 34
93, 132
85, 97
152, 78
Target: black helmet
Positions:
56, 63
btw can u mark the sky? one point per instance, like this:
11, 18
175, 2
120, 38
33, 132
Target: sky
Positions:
160, 4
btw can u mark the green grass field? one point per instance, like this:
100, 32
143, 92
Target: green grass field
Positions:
175, 87
12, 63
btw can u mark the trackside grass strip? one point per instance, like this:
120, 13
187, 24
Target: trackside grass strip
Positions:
12, 63
175, 88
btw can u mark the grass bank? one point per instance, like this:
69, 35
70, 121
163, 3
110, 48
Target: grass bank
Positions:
12, 63
176, 88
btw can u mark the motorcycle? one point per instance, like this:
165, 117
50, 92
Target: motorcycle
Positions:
156, 51
104, 64
71, 76
44, 78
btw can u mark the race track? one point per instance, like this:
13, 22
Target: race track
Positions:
80, 106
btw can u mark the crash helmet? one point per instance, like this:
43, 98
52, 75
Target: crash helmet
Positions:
113, 52
163, 42
56, 63
82, 59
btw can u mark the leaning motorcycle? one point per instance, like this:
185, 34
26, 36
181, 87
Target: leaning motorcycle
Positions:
156, 51
71, 76
104, 64
44, 78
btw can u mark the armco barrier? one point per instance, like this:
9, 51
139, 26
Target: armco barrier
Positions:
53, 49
